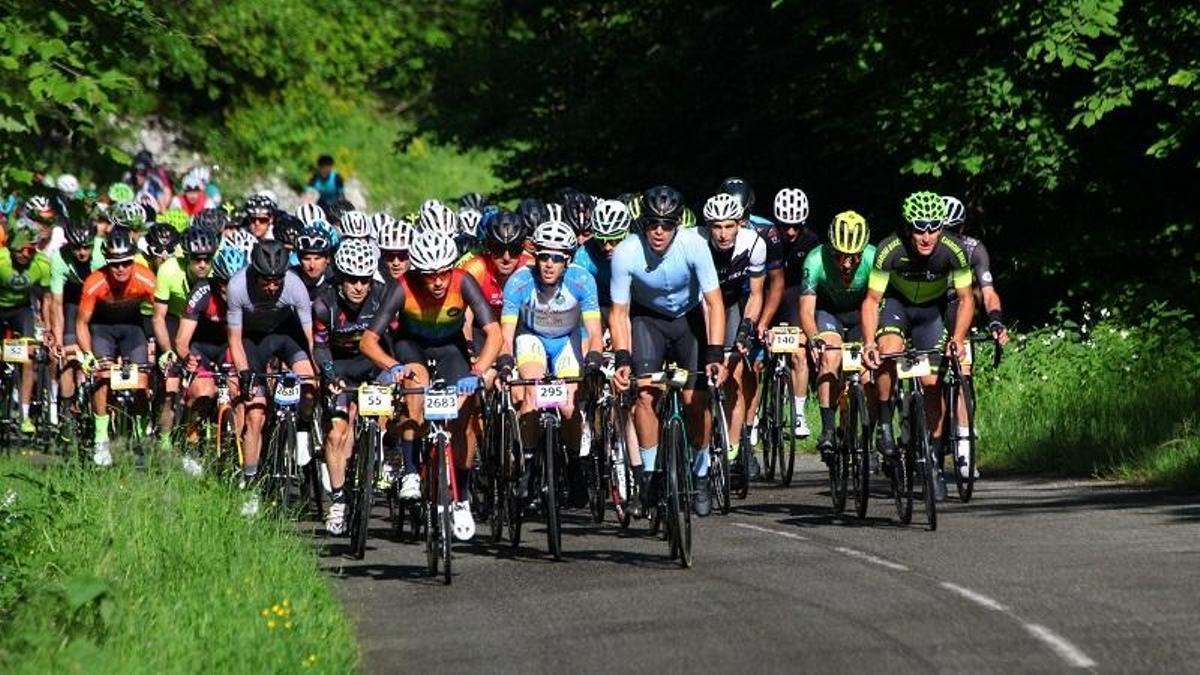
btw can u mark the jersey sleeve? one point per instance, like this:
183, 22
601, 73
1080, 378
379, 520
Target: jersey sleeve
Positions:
514, 296
389, 309
757, 266
58, 275
473, 297
701, 261
322, 323
981, 265
295, 295
196, 301
162, 285
814, 270
93, 286
583, 286
238, 300
618, 284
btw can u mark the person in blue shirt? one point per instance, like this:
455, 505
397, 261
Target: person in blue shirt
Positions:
610, 226
326, 184
663, 280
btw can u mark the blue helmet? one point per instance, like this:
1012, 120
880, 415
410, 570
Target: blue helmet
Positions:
317, 237
228, 261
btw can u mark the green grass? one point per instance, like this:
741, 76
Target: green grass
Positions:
1117, 402
117, 571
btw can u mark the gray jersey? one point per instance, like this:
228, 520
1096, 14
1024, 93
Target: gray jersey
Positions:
256, 313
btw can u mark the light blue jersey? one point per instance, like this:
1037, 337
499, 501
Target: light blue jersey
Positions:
672, 284
592, 259
553, 312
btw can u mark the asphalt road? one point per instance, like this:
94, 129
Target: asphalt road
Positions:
1030, 576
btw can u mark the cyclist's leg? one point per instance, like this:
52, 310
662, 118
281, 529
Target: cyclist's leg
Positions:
688, 345
171, 382
929, 332
453, 363
789, 313
402, 433
649, 343
829, 330
104, 347
893, 327
21, 320
68, 375
253, 404
339, 442
738, 387
532, 362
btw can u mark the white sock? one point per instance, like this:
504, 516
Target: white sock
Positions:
964, 442
24, 411
302, 453
799, 405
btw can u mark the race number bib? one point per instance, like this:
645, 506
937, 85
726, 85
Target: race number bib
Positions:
909, 368
287, 394
441, 406
15, 351
852, 357
550, 395
374, 401
785, 340
967, 356
120, 379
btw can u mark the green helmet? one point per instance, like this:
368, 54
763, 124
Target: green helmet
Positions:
120, 192
176, 218
687, 218
924, 206
23, 234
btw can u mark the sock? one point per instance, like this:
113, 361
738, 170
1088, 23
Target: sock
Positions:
828, 419
799, 405
648, 457
734, 450
964, 442
24, 411
408, 451
101, 428
886, 408
639, 474
338, 495
53, 389
461, 481
700, 463
249, 473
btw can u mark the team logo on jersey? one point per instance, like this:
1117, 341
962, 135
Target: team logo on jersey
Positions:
454, 312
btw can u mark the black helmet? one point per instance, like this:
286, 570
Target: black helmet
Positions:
662, 202
287, 228
532, 212
259, 205
739, 188
472, 200
199, 241
81, 232
577, 211
506, 228
213, 220
161, 240
119, 246
269, 258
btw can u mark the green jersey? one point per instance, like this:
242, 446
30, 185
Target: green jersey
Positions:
17, 286
67, 275
823, 278
172, 287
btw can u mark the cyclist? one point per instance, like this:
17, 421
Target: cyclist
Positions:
269, 316
430, 303
906, 300
171, 293
354, 225
740, 257
260, 216
326, 185
194, 198
203, 335
394, 237
835, 282
544, 311
502, 255
340, 315
467, 239
659, 280
110, 325
577, 212
68, 270
24, 279
313, 245
609, 227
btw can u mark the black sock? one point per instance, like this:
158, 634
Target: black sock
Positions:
408, 451
828, 418
885, 412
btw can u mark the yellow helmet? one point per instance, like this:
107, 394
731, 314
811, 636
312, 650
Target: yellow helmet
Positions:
848, 233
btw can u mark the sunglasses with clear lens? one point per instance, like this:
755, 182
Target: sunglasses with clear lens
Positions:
552, 257
927, 225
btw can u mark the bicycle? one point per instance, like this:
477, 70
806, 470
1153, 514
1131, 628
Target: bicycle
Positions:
610, 472
777, 413
439, 488
374, 403
718, 470
504, 464
281, 473
850, 467
915, 452
17, 352
125, 382
956, 383
547, 470
674, 461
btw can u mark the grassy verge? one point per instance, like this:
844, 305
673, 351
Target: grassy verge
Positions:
1112, 401
124, 572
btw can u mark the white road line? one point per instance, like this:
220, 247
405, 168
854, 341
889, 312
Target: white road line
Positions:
853, 553
1061, 646
780, 533
975, 597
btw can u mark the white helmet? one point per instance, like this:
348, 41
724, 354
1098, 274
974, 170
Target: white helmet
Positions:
67, 184
357, 258
610, 219
723, 206
556, 211
195, 179
307, 213
354, 225
37, 203
432, 251
270, 196
956, 213
395, 235
128, 214
791, 206
239, 238
468, 222
378, 221
556, 236
437, 217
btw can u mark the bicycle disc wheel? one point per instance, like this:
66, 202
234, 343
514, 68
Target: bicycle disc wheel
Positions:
966, 484
364, 488
550, 491
927, 465
786, 455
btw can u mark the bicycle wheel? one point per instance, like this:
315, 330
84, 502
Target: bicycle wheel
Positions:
966, 484
550, 490
446, 506
595, 461
497, 469
227, 446
839, 466
363, 495
620, 472
718, 470
285, 462
901, 474
927, 465
859, 456
768, 422
678, 494
742, 489
432, 488
786, 453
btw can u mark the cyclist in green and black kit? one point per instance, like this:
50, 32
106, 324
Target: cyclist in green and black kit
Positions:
68, 270
24, 278
831, 296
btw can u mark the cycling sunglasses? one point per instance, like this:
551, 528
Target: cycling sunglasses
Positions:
437, 274
201, 258
498, 249
656, 224
547, 256
392, 256
926, 225
260, 219
121, 263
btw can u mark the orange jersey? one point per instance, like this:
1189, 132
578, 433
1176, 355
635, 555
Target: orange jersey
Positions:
110, 302
483, 269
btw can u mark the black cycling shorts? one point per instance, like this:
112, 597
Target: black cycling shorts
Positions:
923, 326
354, 371
289, 347
847, 325
212, 356
17, 319
657, 337
110, 341
789, 308
451, 360
70, 312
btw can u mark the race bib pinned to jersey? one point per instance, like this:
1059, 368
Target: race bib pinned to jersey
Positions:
852, 357
441, 406
374, 400
785, 340
908, 368
15, 351
122, 379
287, 394
550, 395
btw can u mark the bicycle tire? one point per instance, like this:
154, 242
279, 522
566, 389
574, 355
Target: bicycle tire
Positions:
922, 450
550, 491
966, 484
498, 470
620, 472
769, 423
901, 476
227, 446
285, 461
718, 470
6, 409
786, 456
860, 451
743, 459
839, 465
430, 501
679, 508
446, 500
597, 488
365, 451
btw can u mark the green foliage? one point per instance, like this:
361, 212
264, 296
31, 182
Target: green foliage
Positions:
134, 572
